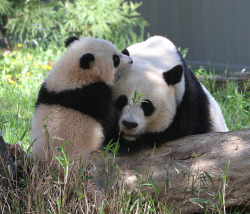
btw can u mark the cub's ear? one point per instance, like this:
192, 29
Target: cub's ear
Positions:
86, 59
70, 40
125, 52
174, 75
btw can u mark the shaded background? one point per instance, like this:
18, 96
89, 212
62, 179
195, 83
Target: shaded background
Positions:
216, 33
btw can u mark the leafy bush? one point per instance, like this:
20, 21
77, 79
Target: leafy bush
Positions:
32, 20
36, 20
5, 9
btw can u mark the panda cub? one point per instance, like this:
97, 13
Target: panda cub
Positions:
74, 103
175, 104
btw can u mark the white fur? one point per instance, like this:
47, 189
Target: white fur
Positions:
158, 50
217, 118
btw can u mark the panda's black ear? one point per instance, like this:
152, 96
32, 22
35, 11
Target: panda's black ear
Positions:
86, 59
174, 75
70, 40
125, 52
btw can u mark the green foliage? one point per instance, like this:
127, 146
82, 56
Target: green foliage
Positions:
233, 101
63, 159
112, 148
44, 21
198, 202
33, 20
136, 98
183, 52
101, 18
5, 8
5, 11
21, 74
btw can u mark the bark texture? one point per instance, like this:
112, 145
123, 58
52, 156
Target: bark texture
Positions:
187, 170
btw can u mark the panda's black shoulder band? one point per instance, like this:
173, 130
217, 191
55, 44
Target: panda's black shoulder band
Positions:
94, 99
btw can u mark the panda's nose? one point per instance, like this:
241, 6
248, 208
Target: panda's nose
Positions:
129, 125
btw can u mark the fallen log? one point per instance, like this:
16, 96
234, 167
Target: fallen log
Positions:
192, 174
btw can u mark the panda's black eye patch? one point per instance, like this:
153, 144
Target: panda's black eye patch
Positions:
116, 60
121, 102
147, 107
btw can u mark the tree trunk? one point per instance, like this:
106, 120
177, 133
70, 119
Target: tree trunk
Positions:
189, 172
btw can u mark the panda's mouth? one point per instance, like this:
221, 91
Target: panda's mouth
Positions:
129, 135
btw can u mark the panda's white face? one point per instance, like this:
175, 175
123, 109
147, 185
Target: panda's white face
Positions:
85, 61
158, 107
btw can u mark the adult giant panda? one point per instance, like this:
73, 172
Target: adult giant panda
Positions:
74, 104
174, 104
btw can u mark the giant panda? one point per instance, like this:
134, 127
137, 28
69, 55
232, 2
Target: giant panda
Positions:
174, 103
74, 104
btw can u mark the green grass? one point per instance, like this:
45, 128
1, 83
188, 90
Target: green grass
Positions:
22, 72
234, 101
235, 104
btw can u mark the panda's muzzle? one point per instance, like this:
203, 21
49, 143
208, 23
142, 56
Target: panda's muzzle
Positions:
128, 133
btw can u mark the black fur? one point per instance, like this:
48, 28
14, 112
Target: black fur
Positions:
192, 117
125, 52
86, 59
121, 102
94, 100
70, 40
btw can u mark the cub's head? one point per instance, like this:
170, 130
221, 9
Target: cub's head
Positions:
156, 109
85, 61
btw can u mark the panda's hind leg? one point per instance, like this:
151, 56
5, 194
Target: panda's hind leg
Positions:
79, 132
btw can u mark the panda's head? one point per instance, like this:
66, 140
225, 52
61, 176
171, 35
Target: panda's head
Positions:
85, 61
155, 111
